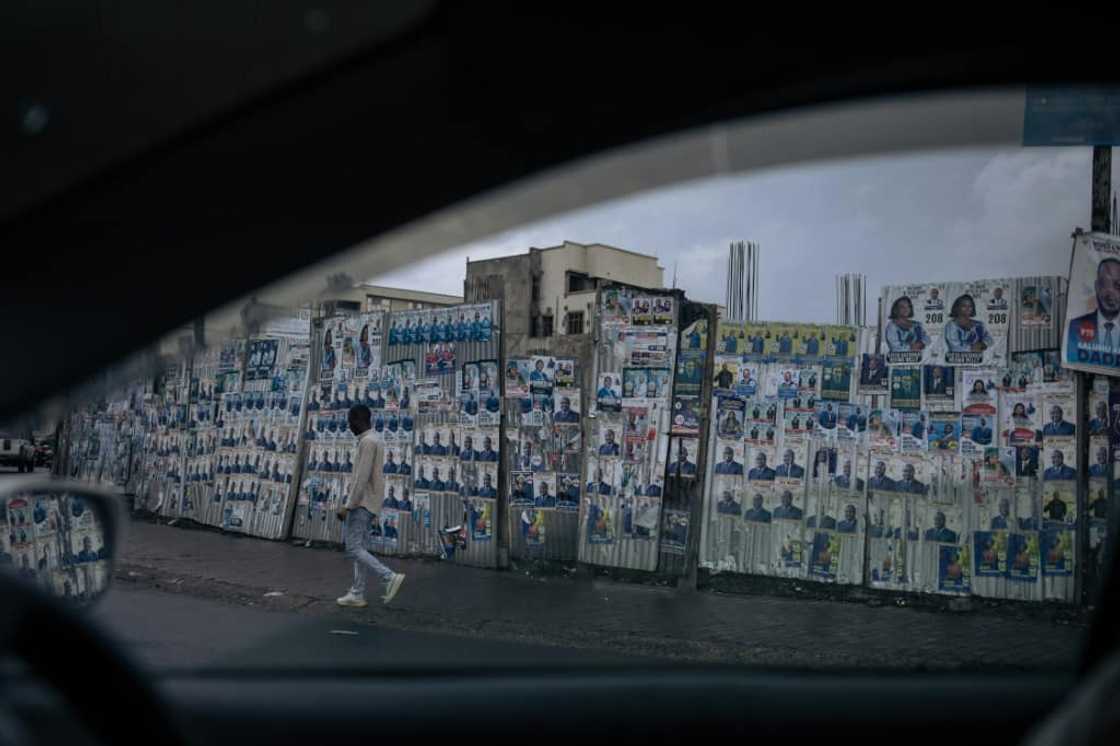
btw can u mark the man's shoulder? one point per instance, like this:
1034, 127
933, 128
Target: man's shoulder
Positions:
1091, 316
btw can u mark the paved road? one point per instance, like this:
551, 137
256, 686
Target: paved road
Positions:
189, 597
170, 630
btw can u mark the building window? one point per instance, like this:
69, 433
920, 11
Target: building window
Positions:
546, 325
578, 282
536, 288
575, 322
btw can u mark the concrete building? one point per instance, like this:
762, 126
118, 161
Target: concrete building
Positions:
548, 295
375, 297
551, 292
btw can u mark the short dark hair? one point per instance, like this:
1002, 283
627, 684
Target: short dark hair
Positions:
360, 413
1105, 261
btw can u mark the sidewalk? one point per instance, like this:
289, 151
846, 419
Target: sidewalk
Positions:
596, 614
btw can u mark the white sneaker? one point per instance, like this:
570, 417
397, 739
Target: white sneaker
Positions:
394, 585
352, 600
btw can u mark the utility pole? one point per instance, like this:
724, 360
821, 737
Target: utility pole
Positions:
1101, 222
1102, 188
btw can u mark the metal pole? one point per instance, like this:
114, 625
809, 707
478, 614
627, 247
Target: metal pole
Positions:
1102, 188
1101, 223
1083, 388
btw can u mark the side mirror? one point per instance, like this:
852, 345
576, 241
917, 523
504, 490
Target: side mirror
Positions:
59, 535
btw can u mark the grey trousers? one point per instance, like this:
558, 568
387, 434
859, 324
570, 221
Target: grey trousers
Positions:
357, 537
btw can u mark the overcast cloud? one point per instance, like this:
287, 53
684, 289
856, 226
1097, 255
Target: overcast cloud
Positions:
945, 216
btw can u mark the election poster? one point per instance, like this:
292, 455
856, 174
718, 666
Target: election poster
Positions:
783, 383
599, 519
788, 340
674, 531
1059, 456
683, 452
641, 310
731, 339
261, 359
762, 412
532, 527
727, 493
976, 434
695, 335
990, 552
481, 518
912, 313
851, 421
1036, 305
906, 388
1098, 408
939, 387
1091, 341
1023, 557
845, 341
1026, 461
439, 359
979, 317
953, 569
762, 433
824, 557
828, 418
1059, 409
913, 433
663, 313
565, 375
996, 467
1037, 370
1059, 504
687, 412
730, 417
797, 426
883, 427
633, 383
836, 380
1098, 457
646, 348
726, 374
851, 470
790, 547
609, 393
959, 323
615, 306
690, 373
1019, 420
747, 385
979, 394
874, 375
1057, 550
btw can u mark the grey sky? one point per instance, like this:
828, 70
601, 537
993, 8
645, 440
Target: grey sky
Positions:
940, 216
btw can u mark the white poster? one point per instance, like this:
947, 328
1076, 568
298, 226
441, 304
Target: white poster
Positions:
1091, 341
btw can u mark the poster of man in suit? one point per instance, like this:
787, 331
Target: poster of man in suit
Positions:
1092, 339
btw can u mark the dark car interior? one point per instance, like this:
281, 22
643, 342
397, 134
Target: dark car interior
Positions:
242, 139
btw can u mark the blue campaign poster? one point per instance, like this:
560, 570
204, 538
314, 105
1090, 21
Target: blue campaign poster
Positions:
1023, 557
824, 559
990, 549
953, 573
1057, 552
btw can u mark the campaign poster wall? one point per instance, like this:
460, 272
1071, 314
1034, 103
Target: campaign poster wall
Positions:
953, 323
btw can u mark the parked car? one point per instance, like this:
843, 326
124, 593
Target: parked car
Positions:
44, 454
17, 448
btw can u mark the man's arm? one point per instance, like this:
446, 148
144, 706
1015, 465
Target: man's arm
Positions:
363, 470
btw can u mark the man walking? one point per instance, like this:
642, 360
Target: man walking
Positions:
365, 495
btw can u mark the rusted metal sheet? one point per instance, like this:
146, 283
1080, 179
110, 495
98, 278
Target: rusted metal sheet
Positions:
625, 472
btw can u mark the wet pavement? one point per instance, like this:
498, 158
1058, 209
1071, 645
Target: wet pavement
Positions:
226, 595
